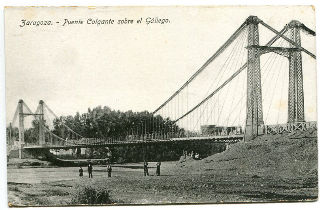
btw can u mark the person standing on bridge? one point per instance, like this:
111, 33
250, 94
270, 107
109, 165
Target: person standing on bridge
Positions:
90, 170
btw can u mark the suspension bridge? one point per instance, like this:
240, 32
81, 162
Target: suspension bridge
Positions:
223, 101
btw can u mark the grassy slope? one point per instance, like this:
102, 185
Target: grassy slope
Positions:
283, 156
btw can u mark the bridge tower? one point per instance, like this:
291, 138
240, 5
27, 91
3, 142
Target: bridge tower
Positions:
9, 135
41, 124
295, 91
21, 128
254, 118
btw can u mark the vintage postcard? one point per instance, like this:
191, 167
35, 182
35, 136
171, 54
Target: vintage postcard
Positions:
160, 105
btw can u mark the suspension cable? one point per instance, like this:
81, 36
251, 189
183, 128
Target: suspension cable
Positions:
214, 56
43, 125
61, 120
287, 39
273, 40
225, 98
280, 97
226, 63
15, 115
241, 47
223, 68
273, 91
25, 105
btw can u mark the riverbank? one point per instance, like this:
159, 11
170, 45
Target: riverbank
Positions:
57, 186
269, 169
29, 162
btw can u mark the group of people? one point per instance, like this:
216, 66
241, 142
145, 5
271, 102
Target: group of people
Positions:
109, 169
146, 171
90, 168
194, 155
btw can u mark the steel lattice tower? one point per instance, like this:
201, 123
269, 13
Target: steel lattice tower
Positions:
254, 118
41, 124
21, 128
295, 91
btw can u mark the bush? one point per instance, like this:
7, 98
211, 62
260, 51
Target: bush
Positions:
121, 160
35, 164
90, 194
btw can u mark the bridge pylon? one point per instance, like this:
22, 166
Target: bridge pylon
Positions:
41, 124
295, 91
254, 118
21, 128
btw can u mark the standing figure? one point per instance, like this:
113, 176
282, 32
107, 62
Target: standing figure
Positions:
192, 154
90, 170
158, 168
109, 169
145, 168
81, 172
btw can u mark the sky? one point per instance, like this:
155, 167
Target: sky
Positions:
126, 67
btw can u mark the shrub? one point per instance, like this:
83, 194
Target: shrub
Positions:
121, 160
35, 164
90, 194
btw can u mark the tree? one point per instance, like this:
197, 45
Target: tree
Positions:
106, 123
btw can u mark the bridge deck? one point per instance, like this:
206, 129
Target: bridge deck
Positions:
216, 139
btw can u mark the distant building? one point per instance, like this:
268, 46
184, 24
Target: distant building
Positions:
215, 130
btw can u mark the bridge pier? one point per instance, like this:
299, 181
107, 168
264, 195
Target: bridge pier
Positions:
254, 118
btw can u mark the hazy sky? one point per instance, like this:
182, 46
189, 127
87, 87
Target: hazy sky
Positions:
125, 67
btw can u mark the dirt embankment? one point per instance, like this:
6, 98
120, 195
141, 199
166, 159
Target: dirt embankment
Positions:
30, 163
283, 156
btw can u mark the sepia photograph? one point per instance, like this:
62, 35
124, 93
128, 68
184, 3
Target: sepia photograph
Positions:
149, 105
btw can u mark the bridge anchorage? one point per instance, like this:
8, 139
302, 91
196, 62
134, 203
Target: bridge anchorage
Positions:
182, 118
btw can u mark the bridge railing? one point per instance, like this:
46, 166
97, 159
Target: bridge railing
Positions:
268, 129
149, 137
289, 127
133, 138
46, 144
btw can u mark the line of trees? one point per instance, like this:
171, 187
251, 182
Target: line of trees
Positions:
31, 135
102, 122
